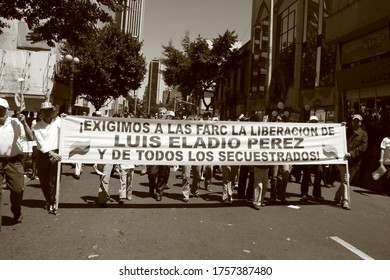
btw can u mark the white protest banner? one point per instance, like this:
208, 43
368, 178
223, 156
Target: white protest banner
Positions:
183, 142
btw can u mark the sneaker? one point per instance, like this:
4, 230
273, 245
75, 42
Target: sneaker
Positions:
256, 206
346, 205
185, 199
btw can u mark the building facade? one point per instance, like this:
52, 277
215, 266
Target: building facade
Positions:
152, 94
25, 69
360, 30
329, 58
132, 17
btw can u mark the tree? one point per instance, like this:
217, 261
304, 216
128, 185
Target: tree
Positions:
111, 65
199, 65
57, 20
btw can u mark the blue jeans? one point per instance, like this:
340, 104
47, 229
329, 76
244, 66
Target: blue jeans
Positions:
12, 176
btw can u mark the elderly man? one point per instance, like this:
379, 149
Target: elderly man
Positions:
356, 145
13, 140
47, 136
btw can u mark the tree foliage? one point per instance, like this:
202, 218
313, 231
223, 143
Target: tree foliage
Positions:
111, 65
53, 21
199, 64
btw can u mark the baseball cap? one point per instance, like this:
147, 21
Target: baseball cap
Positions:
4, 103
46, 105
171, 113
357, 116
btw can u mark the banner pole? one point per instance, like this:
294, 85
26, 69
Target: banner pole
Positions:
58, 180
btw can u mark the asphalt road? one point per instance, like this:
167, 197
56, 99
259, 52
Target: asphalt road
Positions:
202, 229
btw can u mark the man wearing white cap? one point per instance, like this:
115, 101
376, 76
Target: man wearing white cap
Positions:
47, 136
356, 146
13, 139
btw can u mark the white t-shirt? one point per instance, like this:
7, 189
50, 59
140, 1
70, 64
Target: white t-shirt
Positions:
47, 135
12, 138
385, 145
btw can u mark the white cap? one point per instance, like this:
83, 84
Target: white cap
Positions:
171, 113
98, 113
313, 118
4, 103
357, 116
46, 105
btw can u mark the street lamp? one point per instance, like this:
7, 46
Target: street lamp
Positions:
73, 61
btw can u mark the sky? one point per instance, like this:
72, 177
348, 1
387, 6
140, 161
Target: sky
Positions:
167, 20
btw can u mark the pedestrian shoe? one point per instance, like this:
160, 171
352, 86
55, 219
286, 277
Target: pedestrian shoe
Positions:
319, 198
256, 206
18, 218
337, 200
195, 194
158, 197
305, 197
283, 200
52, 209
185, 199
346, 205
121, 201
208, 189
77, 177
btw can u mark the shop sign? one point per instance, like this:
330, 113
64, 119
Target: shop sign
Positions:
367, 46
365, 75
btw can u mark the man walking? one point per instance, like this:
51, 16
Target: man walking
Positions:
47, 136
13, 139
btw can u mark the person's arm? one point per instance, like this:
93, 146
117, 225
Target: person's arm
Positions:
382, 153
362, 147
28, 132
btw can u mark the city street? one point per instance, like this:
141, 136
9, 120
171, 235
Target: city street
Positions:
202, 229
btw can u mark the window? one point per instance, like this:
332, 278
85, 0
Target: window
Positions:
287, 25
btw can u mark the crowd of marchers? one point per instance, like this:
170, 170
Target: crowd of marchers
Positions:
250, 181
